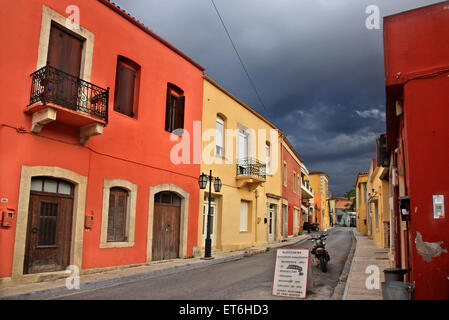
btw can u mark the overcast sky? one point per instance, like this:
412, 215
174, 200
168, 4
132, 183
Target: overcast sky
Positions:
317, 67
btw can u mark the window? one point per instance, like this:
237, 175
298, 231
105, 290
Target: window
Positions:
294, 182
299, 184
44, 184
219, 138
360, 194
118, 204
376, 214
267, 158
167, 197
126, 86
174, 108
244, 216
285, 174
365, 196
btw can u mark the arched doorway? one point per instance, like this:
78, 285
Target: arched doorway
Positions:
166, 226
49, 229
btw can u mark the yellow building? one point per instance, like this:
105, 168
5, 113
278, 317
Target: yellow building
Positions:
242, 148
378, 207
320, 184
361, 199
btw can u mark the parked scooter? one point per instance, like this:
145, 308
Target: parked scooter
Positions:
319, 250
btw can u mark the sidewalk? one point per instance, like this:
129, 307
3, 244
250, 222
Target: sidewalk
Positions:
48, 289
367, 253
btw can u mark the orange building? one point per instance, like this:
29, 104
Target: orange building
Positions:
86, 175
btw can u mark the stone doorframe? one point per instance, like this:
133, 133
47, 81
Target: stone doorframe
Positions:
183, 223
79, 204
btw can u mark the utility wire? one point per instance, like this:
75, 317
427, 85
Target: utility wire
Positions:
240, 59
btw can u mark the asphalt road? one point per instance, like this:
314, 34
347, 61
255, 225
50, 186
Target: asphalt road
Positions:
249, 278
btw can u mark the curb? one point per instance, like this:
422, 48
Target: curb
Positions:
345, 272
345, 294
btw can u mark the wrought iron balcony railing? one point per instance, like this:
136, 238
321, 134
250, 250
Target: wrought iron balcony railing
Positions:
50, 85
307, 186
251, 167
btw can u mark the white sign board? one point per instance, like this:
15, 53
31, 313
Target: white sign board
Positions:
438, 206
290, 273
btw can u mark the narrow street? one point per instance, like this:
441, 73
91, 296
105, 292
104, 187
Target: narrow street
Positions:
249, 278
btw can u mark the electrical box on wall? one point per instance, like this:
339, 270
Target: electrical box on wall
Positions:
89, 221
8, 216
438, 206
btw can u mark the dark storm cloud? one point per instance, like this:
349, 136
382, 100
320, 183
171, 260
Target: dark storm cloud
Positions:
318, 69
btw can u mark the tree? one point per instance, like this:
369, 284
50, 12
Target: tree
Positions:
348, 195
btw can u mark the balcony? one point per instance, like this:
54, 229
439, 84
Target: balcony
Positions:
306, 190
59, 96
250, 172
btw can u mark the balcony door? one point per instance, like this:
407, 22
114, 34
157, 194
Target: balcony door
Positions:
242, 151
64, 54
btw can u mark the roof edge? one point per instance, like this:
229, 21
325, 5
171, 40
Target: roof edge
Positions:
145, 29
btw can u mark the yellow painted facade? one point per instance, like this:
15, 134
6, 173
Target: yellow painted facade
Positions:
378, 208
247, 210
319, 182
361, 200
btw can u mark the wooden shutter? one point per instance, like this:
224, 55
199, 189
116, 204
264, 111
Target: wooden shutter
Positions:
111, 216
174, 110
179, 113
64, 51
168, 111
124, 89
118, 203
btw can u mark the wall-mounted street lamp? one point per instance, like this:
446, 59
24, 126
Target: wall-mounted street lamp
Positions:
202, 181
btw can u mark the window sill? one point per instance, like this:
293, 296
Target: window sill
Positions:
121, 114
116, 245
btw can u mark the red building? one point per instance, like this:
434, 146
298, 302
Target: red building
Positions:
417, 87
291, 190
85, 175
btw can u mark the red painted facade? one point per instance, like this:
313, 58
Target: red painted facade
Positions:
417, 76
288, 193
135, 149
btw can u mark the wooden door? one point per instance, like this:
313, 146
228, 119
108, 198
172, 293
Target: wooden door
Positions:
166, 228
49, 233
284, 221
271, 223
64, 53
